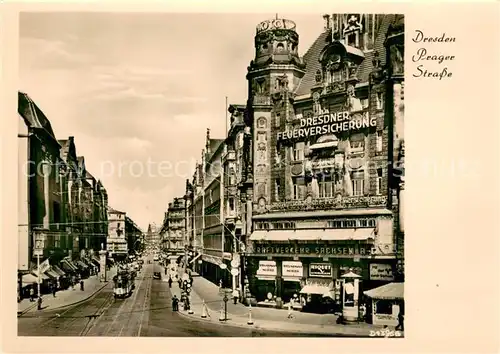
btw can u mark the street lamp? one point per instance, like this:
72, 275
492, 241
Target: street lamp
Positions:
225, 298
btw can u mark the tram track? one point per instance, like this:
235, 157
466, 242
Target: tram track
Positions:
125, 319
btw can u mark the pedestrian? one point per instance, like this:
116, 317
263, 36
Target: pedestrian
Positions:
401, 319
32, 294
54, 290
236, 295
169, 282
186, 303
362, 312
165, 271
175, 303
81, 285
290, 308
39, 303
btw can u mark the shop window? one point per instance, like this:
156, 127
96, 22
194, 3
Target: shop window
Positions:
384, 307
378, 190
262, 226
367, 223
326, 183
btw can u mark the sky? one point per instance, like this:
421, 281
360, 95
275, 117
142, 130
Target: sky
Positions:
138, 91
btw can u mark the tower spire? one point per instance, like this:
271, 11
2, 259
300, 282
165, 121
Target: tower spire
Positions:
276, 16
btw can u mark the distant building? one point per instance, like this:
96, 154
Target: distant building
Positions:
117, 245
175, 236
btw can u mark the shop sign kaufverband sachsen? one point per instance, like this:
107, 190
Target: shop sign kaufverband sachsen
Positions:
315, 250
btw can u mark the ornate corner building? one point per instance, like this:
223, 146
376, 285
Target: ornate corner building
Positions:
322, 157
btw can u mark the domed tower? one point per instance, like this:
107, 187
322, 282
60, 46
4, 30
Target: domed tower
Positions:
273, 77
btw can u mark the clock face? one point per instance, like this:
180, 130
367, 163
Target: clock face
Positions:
316, 95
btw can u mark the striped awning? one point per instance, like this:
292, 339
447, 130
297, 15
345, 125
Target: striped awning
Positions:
58, 270
52, 273
81, 265
43, 276
315, 289
69, 266
29, 279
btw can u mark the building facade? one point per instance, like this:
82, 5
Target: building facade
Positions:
308, 199
117, 244
133, 234
320, 156
232, 166
175, 222
57, 201
214, 232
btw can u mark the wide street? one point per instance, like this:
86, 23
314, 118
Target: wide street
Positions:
146, 313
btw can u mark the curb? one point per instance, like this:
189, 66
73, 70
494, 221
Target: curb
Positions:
19, 314
256, 326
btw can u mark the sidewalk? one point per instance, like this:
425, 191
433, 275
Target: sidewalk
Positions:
268, 318
67, 297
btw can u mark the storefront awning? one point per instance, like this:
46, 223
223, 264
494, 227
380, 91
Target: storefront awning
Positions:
212, 259
360, 234
315, 289
68, 265
81, 265
391, 291
52, 274
96, 260
43, 276
58, 270
29, 279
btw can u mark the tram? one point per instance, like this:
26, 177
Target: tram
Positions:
123, 284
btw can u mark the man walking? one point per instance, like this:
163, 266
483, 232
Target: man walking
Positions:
175, 303
81, 285
169, 282
32, 294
